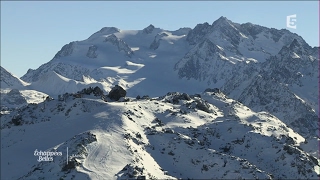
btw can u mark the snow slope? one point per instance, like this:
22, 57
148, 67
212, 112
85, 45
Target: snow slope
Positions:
9, 80
173, 136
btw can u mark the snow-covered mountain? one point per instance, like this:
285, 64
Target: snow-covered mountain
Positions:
258, 120
226, 55
9, 80
206, 135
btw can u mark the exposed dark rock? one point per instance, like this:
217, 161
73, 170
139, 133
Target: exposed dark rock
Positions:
178, 97
196, 95
156, 42
132, 171
198, 33
226, 148
138, 135
86, 91
92, 52
104, 98
148, 29
71, 165
17, 120
290, 150
204, 168
97, 91
120, 44
171, 153
159, 122
145, 97
141, 178
77, 95
203, 105
167, 130
117, 92
48, 98
66, 50
215, 90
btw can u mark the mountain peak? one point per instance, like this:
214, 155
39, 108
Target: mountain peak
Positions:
198, 33
148, 29
109, 30
221, 20
105, 31
7, 79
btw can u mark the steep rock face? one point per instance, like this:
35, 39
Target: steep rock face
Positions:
148, 29
254, 30
292, 64
182, 31
206, 61
104, 31
297, 67
156, 42
197, 34
120, 44
226, 32
66, 50
283, 60
92, 52
283, 85
266, 94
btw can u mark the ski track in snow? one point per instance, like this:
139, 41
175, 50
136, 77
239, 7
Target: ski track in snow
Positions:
99, 157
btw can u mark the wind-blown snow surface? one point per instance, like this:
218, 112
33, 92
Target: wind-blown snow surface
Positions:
173, 136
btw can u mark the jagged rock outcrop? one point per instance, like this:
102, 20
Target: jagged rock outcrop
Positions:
104, 31
120, 44
117, 92
156, 42
92, 52
198, 33
17, 120
66, 50
205, 62
148, 29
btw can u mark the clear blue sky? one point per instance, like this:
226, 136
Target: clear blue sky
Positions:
33, 32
